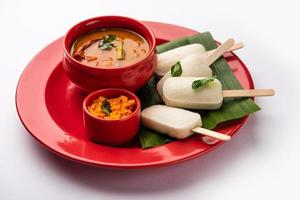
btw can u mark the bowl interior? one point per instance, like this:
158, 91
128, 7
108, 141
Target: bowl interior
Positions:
108, 22
110, 93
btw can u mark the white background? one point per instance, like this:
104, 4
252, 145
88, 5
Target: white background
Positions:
262, 161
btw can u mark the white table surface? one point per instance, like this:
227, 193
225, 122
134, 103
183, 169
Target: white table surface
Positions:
262, 161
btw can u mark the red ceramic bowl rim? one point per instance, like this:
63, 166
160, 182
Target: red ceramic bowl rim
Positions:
152, 37
121, 92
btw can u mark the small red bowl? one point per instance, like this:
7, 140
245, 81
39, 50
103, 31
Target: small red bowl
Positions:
131, 77
116, 131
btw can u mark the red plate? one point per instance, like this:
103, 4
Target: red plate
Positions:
49, 106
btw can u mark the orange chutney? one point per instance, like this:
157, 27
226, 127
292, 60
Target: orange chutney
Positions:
113, 108
110, 48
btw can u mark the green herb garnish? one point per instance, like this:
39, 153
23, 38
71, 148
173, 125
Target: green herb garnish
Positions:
202, 82
105, 107
107, 42
176, 69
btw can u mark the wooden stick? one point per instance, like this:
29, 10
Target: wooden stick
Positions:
218, 52
212, 134
248, 93
236, 46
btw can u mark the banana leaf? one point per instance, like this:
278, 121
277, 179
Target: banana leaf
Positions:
231, 108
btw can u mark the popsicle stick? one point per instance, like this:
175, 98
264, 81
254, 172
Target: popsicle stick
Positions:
212, 134
218, 52
236, 46
248, 93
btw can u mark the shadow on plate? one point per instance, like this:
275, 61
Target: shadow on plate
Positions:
141, 181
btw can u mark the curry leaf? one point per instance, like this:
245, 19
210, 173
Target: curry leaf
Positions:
176, 69
202, 82
105, 107
107, 42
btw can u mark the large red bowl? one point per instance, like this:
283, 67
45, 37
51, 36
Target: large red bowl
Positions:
131, 77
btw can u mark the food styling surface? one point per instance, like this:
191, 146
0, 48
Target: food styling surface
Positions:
261, 160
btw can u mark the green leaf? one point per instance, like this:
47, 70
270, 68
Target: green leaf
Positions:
176, 69
148, 94
105, 107
232, 108
202, 82
107, 42
149, 138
